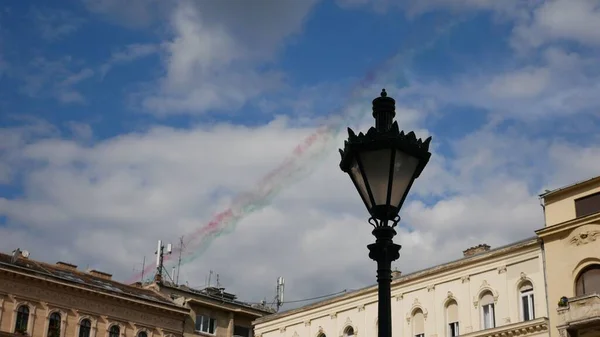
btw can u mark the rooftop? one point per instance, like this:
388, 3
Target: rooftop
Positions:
405, 278
220, 295
71, 276
548, 193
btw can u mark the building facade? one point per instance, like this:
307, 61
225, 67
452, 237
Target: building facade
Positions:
213, 311
45, 300
497, 292
571, 240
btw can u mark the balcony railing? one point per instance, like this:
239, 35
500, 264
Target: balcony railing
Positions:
579, 312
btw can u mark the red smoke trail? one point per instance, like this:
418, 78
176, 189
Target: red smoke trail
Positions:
298, 151
228, 214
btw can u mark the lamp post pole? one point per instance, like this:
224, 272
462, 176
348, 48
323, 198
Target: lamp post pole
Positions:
384, 251
383, 164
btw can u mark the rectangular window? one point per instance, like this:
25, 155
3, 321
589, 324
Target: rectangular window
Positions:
453, 329
489, 320
206, 324
420, 335
527, 305
241, 331
587, 205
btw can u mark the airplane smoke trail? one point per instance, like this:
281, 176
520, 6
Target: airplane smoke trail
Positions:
293, 168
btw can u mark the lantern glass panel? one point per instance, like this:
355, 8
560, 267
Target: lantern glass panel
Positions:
358, 180
404, 170
376, 165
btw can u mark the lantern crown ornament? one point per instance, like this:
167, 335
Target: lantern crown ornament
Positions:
384, 162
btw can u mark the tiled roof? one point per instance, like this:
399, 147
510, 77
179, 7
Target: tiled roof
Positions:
80, 278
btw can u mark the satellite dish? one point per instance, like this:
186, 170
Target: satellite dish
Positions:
25, 253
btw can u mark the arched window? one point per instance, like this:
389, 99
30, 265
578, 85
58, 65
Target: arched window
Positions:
114, 331
142, 334
588, 281
452, 318
54, 325
349, 331
527, 302
22, 319
488, 316
322, 335
418, 323
85, 327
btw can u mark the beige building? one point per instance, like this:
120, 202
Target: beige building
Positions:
497, 292
58, 300
213, 311
572, 248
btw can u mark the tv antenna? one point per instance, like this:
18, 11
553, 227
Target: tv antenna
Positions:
160, 250
280, 291
181, 246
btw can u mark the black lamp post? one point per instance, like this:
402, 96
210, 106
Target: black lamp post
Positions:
383, 164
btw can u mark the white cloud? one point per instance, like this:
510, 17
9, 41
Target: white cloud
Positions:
128, 191
566, 20
212, 54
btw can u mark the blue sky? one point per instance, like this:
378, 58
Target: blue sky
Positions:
125, 123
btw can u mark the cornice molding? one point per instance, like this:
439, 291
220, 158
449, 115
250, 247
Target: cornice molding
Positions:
515, 329
171, 307
568, 225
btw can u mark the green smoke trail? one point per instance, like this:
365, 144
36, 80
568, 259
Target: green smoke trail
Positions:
300, 167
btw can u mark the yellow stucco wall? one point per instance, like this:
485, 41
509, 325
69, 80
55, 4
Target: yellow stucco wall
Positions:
569, 244
560, 207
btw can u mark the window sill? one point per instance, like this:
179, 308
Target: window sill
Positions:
202, 333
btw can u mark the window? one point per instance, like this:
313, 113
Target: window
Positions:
418, 322
142, 334
349, 331
54, 325
241, 331
206, 324
452, 318
588, 281
114, 331
587, 205
22, 319
322, 335
487, 310
527, 303
85, 326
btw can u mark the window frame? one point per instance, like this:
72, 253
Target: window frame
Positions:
492, 310
579, 212
24, 316
527, 295
456, 326
212, 323
581, 279
52, 318
82, 327
111, 332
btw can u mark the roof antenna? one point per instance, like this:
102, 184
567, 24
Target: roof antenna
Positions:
15, 255
280, 289
159, 260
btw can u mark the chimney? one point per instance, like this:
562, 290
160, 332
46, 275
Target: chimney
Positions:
396, 273
66, 265
476, 250
100, 274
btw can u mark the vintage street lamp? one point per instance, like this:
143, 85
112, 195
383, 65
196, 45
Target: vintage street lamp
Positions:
383, 164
